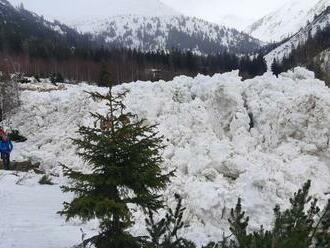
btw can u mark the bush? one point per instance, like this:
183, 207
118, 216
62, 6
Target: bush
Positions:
164, 233
16, 136
24, 81
294, 227
56, 78
37, 78
297, 227
46, 180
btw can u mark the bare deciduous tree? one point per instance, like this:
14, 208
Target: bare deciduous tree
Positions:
9, 92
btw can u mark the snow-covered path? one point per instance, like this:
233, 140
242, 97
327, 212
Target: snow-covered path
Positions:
28, 216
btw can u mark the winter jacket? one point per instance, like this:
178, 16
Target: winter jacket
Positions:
6, 146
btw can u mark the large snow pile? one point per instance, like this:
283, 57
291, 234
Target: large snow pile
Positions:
260, 139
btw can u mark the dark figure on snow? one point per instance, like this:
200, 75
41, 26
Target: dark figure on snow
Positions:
5, 148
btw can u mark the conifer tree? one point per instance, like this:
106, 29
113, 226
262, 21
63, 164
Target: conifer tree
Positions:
165, 233
276, 68
124, 155
299, 226
104, 76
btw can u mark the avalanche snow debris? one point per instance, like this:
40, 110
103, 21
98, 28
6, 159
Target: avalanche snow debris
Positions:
206, 123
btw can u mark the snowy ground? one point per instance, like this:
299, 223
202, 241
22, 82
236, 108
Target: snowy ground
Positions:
28, 214
218, 154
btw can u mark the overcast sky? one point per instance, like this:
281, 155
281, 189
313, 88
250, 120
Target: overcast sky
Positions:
235, 13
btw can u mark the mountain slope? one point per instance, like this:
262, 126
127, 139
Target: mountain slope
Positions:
310, 47
320, 22
147, 25
287, 20
22, 31
39, 47
167, 32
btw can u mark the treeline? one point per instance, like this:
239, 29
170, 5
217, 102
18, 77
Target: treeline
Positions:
130, 65
306, 54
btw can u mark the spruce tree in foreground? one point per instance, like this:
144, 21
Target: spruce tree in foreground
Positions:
124, 155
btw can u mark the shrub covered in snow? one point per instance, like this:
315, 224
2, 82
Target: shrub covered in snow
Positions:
45, 179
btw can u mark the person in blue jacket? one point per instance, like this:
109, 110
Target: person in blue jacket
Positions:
5, 148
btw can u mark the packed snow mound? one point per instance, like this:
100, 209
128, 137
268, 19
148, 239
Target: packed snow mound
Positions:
260, 139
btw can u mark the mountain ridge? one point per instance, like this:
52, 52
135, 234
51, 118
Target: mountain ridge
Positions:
287, 20
299, 38
167, 32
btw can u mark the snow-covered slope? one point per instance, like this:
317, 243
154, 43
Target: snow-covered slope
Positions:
167, 32
218, 153
147, 25
321, 21
287, 20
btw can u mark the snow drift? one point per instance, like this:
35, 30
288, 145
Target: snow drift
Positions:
260, 139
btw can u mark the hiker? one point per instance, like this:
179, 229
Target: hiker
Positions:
5, 148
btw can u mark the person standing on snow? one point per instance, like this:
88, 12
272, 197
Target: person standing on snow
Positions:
5, 148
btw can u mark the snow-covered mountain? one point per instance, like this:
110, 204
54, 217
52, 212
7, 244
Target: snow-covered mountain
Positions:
167, 32
218, 155
27, 25
147, 25
322, 20
287, 20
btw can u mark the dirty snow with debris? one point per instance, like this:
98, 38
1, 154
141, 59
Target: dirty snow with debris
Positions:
260, 139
